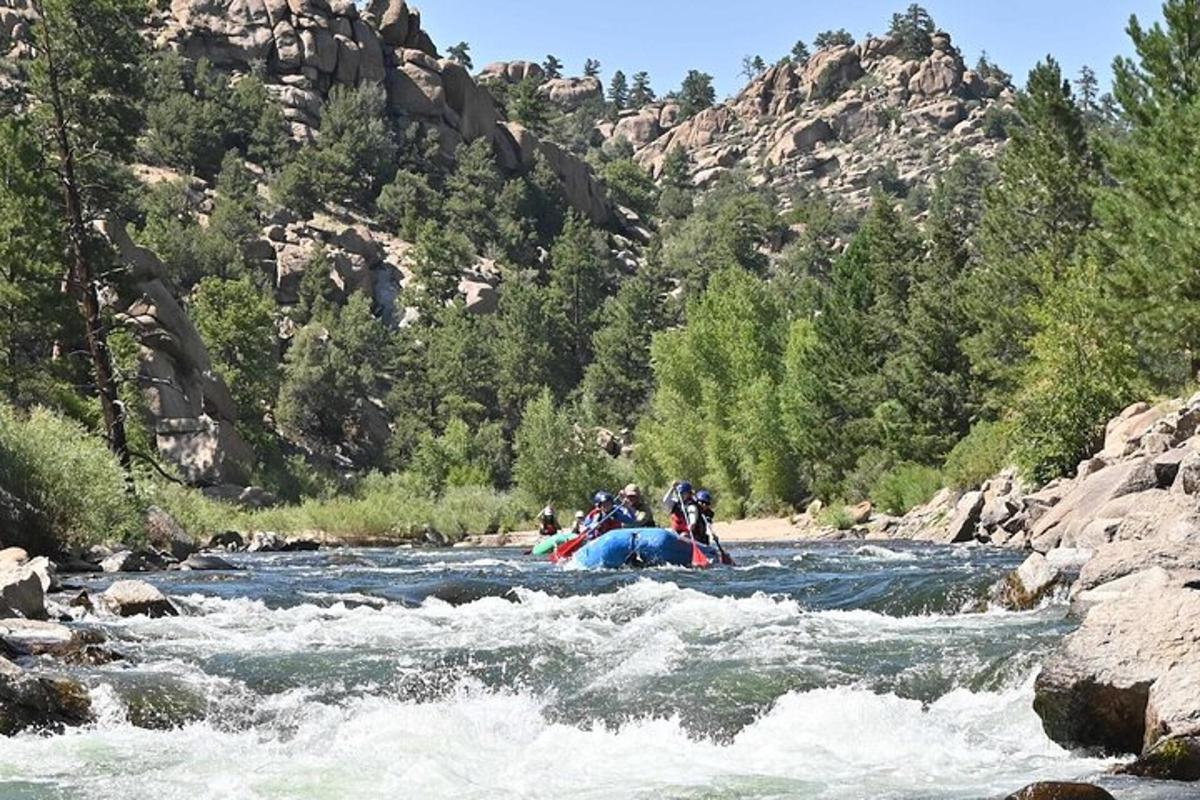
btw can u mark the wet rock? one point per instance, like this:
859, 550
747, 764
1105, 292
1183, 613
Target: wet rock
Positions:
159, 702
39, 702
301, 546
12, 557
1094, 690
265, 542
229, 540
1175, 759
31, 638
124, 561
205, 562
1061, 791
1029, 584
135, 598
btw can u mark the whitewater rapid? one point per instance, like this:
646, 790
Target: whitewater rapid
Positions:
790, 678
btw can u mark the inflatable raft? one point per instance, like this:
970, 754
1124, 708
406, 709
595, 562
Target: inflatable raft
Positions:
640, 547
550, 543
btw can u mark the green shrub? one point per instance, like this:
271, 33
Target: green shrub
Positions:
68, 475
836, 515
200, 516
983, 452
905, 487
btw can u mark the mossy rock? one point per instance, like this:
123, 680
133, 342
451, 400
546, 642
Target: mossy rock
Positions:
1170, 760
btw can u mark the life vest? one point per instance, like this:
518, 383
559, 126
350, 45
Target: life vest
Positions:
548, 528
679, 522
594, 530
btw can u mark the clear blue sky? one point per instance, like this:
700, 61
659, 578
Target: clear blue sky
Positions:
668, 37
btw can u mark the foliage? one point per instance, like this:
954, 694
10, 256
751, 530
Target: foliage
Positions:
695, 94
554, 463
552, 67
527, 105
982, 453
914, 30
461, 53
631, 186
839, 38
641, 92
800, 53
68, 476
905, 487
237, 322
618, 91
591, 68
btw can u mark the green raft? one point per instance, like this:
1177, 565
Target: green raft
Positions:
548, 545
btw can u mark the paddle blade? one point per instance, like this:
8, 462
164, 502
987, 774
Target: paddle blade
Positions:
699, 560
566, 549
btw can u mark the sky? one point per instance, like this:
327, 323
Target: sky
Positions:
668, 37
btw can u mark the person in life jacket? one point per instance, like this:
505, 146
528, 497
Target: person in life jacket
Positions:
605, 516
577, 528
548, 522
680, 502
701, 523
635, 506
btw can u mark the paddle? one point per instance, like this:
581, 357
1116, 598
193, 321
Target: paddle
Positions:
566, 549
699, 560
725, 557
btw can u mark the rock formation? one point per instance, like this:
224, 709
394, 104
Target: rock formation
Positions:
840, 122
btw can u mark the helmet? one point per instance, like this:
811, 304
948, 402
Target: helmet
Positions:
704, 496
548, 512
602, 497
579, 515
632, 490
684, 487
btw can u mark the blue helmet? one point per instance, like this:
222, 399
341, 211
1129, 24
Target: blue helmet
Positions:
602, 497
684, 487
704, 496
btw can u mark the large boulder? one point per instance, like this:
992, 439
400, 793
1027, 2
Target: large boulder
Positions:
23, 591
571, 93
830, 72
167, 535
961, 525
1029, 584
39, 702
1063, 524
798, 138
1119, 559
1094, 690
1053, 790
137, 598
206, 562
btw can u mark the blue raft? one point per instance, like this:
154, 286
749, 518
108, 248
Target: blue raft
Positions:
639, 547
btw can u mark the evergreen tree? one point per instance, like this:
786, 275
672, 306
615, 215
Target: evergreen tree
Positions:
618, 91
579, 283
800, 54
641, 93
407, 202
526, 347
675, 202
471, 192
1151, 210
839, 38
527, 106
752, 67
1038, 212
237, 322
696, 94
914, 30
986, 68
552, 67
440, 256
461, 53
458, 370
86, 80
591, 68
619, 381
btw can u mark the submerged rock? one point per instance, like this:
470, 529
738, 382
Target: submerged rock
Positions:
134, 598
205, 562
1029, 584
1061, 791
39, 702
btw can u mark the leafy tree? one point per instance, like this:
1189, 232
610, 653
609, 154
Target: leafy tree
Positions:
554, 463
237, 322
1038, 212
552, 67
839, 38
914, 30
86, 81
696, 94
527, 105
591, 68
461, 53
618, 91
800, 54
641, 93
461, 456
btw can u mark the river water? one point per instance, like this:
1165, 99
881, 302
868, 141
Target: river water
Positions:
809, 671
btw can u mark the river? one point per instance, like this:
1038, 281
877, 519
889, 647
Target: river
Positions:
809, 671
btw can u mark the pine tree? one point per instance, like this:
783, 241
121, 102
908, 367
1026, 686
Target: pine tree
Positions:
914, 29
618, 91
237, 322
641, 93
619, 381
526, 347
552, 67
800, 54
696, 94
527, 105
461, 53
839, 38
591, 68
579, 283
86, 82
1151, 210
752, 67
1038, 213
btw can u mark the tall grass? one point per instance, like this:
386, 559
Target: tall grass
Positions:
905, 487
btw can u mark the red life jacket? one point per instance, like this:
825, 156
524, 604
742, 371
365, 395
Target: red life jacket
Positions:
548, 528
679, 522
589, 523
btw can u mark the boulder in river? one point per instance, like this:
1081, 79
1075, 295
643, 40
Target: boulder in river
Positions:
23, 592
1029, 584
164, 533
265, 542
133, 598
206, 562
39, 702
1051, 790
229, 541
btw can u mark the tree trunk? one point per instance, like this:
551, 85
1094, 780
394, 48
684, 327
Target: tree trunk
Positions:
83, 284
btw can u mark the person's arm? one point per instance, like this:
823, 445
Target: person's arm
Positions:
693, 517
669, 499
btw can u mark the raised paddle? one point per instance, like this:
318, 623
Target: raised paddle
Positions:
567, 549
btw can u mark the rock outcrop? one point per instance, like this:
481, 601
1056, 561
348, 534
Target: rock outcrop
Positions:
842, 121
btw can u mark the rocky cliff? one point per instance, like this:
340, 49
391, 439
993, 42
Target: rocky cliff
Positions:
842, 122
